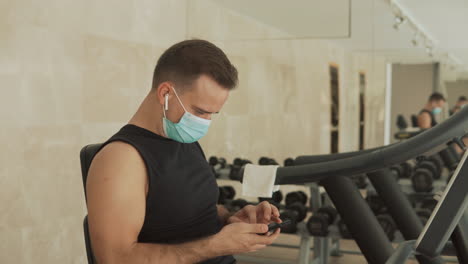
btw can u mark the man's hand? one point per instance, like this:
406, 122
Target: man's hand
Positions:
241, 238
263, 213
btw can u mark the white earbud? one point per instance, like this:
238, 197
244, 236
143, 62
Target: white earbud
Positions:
166, 99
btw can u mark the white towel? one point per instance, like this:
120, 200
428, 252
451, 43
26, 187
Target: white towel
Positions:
259, 181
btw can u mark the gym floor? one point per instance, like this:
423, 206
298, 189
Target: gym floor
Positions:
287, 254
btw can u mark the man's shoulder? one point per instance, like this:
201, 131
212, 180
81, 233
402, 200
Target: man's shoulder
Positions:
117, 155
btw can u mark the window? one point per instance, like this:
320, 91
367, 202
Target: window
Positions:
362, 88
335, 108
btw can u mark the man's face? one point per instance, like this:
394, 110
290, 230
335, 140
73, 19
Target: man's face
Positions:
204, 99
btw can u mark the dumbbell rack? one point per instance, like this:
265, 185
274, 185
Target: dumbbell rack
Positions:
322, 248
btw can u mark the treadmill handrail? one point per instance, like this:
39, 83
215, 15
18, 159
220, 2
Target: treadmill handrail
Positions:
455, 126
310, 159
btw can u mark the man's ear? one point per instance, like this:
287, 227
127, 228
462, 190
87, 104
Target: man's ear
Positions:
163, 92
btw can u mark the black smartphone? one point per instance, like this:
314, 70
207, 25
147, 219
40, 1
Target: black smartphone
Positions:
273, 226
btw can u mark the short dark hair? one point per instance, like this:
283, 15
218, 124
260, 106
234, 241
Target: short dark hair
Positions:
186, 61
462, 98
436, 96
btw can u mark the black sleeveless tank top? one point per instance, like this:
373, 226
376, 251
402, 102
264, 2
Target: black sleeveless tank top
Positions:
182, 191
433, 120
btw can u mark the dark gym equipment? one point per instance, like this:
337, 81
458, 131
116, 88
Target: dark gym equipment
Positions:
275, 199
226, 193
437, 161
267, 161
427, 170
236, 167
360, 181
399, 207
236, 205
388, 225
226, 198
293, 197
422, 180
403, 170
375, 203
296, 213
217, 164
344, 230
351, 206
414, 120
288, 162
359, 218
319, 222
401, 122
450, 157
431, 166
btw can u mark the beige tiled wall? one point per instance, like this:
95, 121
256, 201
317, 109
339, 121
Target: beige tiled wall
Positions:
73, 72
282, 105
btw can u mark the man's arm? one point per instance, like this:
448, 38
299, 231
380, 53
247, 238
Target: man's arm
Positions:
424, 120
116, 192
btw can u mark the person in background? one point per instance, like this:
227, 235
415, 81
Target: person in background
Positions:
462, 101
433, 107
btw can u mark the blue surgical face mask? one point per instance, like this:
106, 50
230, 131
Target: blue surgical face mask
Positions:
436, 110
190, 127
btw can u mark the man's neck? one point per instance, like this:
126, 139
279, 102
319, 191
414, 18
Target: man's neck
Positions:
149, 115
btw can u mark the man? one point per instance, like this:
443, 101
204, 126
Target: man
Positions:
459, 105
426, 118
151, 193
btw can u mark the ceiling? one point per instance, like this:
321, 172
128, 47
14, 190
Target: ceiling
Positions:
371, 28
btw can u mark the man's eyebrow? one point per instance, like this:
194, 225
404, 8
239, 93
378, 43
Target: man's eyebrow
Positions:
203, 111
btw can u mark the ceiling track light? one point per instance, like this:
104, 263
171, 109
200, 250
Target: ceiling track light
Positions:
399, 20
415, 41
430, 50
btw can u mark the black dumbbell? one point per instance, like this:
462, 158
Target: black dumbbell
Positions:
344, 231
288, 162
319, 222
437, 161
402, 171
295, 212
267, 161
450, 157
275, 199
226, 193
397, 171
217, 164
423, 215
235, 205
407, 169
431, 166
236, 167
293, 197
360, 181
388, 225
376, 203
422, 180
